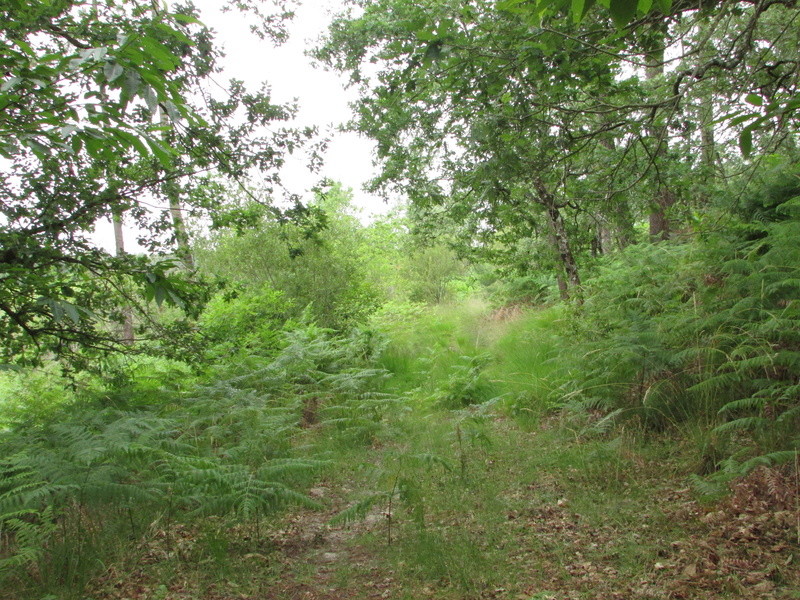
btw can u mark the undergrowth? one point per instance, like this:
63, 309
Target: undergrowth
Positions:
700, 337
223, 448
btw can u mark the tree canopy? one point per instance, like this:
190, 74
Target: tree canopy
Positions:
110, 108
518, 118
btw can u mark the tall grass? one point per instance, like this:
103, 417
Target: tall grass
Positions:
527, 369
452, 356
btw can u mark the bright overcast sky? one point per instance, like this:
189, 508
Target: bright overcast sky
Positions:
322, 99
320, 94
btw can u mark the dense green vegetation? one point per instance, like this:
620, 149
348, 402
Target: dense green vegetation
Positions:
567, 366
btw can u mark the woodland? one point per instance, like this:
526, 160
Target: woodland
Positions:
565, 367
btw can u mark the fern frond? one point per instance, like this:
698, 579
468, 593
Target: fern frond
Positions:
789, 414
768, 460
427, 460
284, 466
359, 510
608, 422
751, 403
746, 423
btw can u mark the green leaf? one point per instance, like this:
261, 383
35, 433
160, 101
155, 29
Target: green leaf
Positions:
161, 152
37, 147
433, 52
186, 19
577, 10
112, 71
580, 8
150, 98
746, 142
71, 311
67, 130
24, 46
742, 119
95, 147
161, 55
754, 99
622, 11
509, 4
172, 111
10, 83
133, 141
131, 83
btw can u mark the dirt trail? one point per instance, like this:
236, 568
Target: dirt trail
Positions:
321, 560
535, 531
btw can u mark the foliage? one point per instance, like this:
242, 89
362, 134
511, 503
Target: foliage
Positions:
245, 323
318, 269
30, 396
466, 384
431, 272
107, 109
543, 141
702, 331
400, 488
224, 447
521, 289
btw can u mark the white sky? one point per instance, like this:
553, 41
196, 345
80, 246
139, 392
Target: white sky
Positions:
320, 94
322, 99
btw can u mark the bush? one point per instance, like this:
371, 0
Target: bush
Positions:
245, 322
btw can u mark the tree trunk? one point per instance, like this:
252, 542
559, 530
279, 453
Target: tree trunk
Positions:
605, 238
184, 251
560, 238
660, 226
663, 199
170, 188
619, 217
708, 150
127, 336
563, 288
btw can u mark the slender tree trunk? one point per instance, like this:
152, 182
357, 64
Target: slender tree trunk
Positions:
605, 238
664, 198
170, 188
624, 225
127, 337
708, 150
619, 220
560, 238
563, 288
184, 250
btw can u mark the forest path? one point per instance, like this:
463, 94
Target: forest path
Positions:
588, 520
535, 514
321, 561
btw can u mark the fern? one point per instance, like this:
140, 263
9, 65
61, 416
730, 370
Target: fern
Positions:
743, 424
26, 521
744, 404
359, 510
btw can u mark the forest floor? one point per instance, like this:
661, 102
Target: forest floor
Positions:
481, 508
